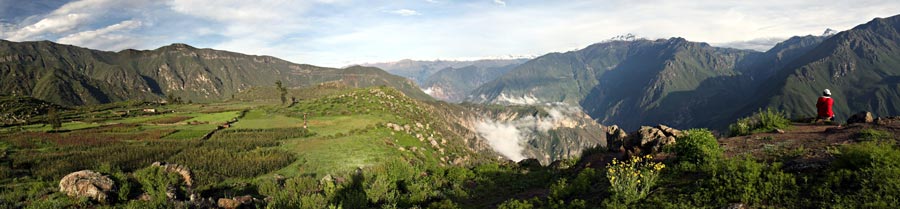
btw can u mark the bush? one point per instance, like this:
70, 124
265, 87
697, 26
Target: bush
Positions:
515, 204
744, 180
156, 181
697, 146
870, 134
863, 175
631, 180
762, 121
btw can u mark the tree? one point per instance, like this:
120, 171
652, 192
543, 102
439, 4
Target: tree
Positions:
172, 99
282, 91
53, 118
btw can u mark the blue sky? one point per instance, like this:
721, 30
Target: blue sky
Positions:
338, 33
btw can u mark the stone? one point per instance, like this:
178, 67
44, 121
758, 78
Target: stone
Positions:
87, 183
615, 138
669, 131
778, 131
246, 199
650, 139
228, 203
735, 206
183, 171
861, 117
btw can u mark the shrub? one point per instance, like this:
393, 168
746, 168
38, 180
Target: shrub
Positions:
515, 204
866, 155
762, 121
697, 146
560, 189
631, 180
744, 180
155, 181
863, 175
870, 134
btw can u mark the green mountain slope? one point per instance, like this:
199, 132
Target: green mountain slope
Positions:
454, 84
631, 83
859, 66
618, 82
73, 76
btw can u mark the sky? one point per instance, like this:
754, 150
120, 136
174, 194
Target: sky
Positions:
338, 33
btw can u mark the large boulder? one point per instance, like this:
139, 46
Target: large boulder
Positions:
652, 139
228, 203
615, 137
88, 184
861, 117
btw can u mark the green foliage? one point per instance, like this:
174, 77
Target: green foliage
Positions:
53, 118
632, 180
213, 163
747, 181
57, 201
515, 204
863, 175
155, 181
697, 146
871, 134
762, 121
124, 186
560, 189
282, 91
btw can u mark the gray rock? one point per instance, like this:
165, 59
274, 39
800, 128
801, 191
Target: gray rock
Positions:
735, 206
861, 117
651, 139
88, 184
228, 203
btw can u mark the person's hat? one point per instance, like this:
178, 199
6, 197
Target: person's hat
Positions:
827, 92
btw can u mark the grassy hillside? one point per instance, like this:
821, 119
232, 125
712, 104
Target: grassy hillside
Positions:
364, 148
233, 142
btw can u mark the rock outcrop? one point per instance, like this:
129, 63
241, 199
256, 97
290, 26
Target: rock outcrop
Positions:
615, 137
87, 183
652, 139
228, 203
185, 174
184, 171
861, 117
647, 139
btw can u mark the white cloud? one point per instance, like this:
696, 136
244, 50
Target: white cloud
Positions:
504, 138
75, 23
510, 137
759, 44
340, 32
111, 36
54, 24
406, 12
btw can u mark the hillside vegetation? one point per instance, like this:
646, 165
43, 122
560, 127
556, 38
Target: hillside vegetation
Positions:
375, 148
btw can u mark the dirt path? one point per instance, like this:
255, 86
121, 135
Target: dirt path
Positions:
224, 126
804, 147
802, 139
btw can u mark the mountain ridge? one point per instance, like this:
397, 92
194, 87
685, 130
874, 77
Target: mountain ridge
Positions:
73, 75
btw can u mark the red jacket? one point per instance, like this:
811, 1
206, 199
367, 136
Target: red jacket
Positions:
824, 106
